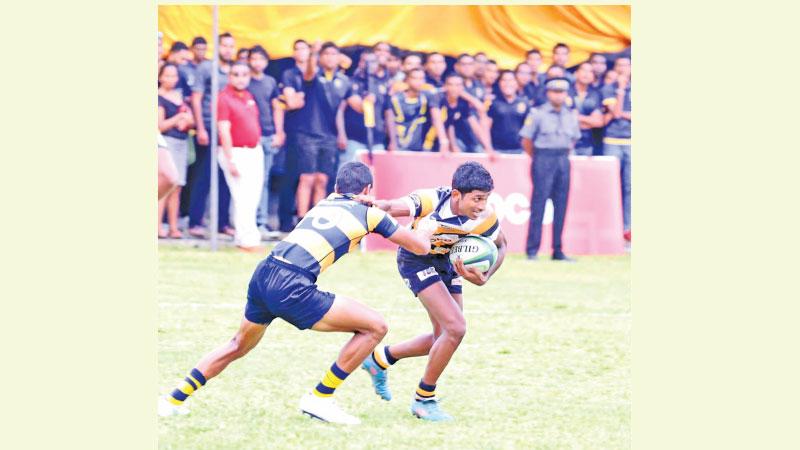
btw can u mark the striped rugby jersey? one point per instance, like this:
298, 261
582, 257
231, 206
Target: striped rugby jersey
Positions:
333, 228
436, 203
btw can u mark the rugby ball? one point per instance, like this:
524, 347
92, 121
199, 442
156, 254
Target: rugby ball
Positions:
475, 251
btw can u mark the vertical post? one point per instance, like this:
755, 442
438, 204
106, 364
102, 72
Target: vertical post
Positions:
213, 193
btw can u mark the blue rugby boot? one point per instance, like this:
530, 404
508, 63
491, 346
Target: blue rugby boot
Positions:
378, 377
428, 410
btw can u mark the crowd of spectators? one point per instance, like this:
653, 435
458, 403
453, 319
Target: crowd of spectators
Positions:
311, 118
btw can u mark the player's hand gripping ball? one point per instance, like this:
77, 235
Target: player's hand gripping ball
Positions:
475, 251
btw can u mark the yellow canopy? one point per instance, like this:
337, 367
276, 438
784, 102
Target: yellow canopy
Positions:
503, 32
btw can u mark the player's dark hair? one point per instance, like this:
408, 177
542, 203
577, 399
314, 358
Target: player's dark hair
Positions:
479, 53
259, 50
243, 50
472, 176
533, 51
353, 177
328, 45
491, 61
299, 41
225, 35
560, 45
463, 55
199, 40
394, 51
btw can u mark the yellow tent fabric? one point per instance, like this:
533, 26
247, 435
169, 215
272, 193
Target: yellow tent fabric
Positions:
503, 32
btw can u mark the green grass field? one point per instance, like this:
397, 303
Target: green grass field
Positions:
546, 361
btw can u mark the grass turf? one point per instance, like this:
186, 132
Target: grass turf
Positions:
545, 363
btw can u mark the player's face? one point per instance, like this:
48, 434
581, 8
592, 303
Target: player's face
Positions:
534, 60
243, 55
415, 80
584, 74
226, 48
199, 51
523, 74
169, 77
329, 59
508, 84
454, 87
240, 77
258, 62
436, 65
471, 204
301, 52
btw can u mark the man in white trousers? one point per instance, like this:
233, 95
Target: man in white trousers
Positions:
240, 155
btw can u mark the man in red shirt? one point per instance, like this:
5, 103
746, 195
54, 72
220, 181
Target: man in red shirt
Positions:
240, 155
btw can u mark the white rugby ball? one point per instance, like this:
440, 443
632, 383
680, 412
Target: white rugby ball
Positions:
475, 251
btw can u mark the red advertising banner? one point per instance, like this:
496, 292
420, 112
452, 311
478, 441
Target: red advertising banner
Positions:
593, 224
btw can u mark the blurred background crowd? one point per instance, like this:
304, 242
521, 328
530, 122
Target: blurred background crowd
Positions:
316, 110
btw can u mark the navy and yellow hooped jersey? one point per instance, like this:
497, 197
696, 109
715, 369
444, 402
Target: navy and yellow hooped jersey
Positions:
452, 227
333, 228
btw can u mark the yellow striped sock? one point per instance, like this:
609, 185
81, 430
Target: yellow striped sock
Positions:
332, 379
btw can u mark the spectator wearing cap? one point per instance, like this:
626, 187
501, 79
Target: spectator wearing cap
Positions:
552, 72
174, 120
550, 132
264, 90
240, 155
561, 59
199, 173
586, 101
507, 114
617, 140
320, 135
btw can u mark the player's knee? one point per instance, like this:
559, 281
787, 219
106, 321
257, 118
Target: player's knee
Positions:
379, 329
456, 329
238, 348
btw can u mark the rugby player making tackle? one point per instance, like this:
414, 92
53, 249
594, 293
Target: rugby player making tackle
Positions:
284, 285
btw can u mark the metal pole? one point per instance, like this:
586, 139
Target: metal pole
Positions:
214, 184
